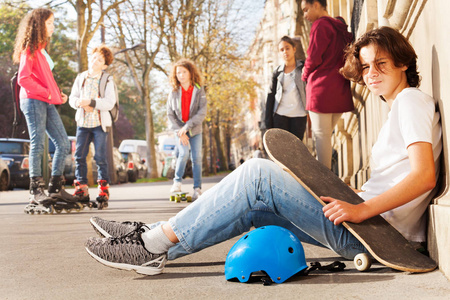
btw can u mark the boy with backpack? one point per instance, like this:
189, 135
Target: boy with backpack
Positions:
94, 96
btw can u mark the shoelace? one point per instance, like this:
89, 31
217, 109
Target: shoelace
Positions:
132, 237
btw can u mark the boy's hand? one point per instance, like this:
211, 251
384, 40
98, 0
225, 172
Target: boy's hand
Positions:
338, 211
88, 108
84, 102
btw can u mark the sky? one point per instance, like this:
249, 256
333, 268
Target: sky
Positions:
250, 14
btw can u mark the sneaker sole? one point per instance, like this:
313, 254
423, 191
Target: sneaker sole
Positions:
127, 267
100, 231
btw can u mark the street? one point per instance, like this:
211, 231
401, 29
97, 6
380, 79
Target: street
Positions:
43, 257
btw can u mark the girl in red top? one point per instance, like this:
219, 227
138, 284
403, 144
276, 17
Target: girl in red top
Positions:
39, 94
328, 93
186, 109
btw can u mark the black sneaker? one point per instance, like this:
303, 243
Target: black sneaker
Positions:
127, 253
108, 229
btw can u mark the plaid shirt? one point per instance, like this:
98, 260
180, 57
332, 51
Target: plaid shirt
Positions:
90, 91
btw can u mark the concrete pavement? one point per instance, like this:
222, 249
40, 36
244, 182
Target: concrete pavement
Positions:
43, 257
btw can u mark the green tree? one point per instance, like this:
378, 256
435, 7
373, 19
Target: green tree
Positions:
10, 17
142, 59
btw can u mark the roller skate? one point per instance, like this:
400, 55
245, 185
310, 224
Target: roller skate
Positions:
103, 194
37, 197
60, 199
82, 193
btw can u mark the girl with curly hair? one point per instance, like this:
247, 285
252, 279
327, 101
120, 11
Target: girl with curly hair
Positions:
186, 109
39, 94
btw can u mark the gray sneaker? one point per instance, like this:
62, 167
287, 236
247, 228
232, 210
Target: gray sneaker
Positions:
108, 229
127, 253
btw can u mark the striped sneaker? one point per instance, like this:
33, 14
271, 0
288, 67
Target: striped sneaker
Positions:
127, 253
108, 229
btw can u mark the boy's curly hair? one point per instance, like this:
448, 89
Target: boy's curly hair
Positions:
196, 76
32, 32
388, 40
106, 52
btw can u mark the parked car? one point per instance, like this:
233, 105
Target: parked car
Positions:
4, 175
139, 146
136, 167
120, 166
15, 153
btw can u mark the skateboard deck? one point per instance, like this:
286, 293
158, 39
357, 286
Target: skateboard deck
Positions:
382, 240
180, 196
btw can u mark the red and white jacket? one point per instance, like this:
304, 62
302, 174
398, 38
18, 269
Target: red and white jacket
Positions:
36, 78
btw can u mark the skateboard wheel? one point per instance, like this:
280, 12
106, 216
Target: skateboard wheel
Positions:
172, 198
189, 198
177, 199
362, 262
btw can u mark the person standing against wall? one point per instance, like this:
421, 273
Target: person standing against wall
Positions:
286, 100
328, 93
186, 109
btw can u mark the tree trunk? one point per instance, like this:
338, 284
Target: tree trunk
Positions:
205, 150
150, 135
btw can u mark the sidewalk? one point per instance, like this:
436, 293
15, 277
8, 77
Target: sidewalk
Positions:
43, 257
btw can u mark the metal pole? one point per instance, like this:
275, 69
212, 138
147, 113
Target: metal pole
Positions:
45, 171
110, 137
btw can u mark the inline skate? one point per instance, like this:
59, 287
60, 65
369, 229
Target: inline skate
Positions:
37, 197
103, 194
82, 193
57, 201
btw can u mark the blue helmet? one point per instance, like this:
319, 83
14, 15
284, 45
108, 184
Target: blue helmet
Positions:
272, 249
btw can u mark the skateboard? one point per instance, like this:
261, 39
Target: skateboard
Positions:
382, 240
180, 196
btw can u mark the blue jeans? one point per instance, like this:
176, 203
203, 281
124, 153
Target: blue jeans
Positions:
84, 138
258, 193
43, 117
195, 142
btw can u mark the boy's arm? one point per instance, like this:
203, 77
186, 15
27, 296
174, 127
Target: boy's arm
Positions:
420, 180
107, 103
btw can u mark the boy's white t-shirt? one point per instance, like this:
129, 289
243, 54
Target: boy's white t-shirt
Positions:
413, 118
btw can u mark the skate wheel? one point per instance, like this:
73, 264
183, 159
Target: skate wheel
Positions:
68, 210
58, 211
189, 199
362, 262
178, 199
172, 198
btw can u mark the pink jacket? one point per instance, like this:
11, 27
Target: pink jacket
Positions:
36, 79
326, 90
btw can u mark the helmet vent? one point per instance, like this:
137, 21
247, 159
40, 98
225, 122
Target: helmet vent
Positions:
291, 250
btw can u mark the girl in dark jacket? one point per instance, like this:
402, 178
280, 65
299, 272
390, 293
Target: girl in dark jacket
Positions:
286, 100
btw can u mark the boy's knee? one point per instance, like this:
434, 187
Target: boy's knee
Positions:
259, 163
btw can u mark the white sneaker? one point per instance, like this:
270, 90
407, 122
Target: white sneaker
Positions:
197, 193
176, 187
